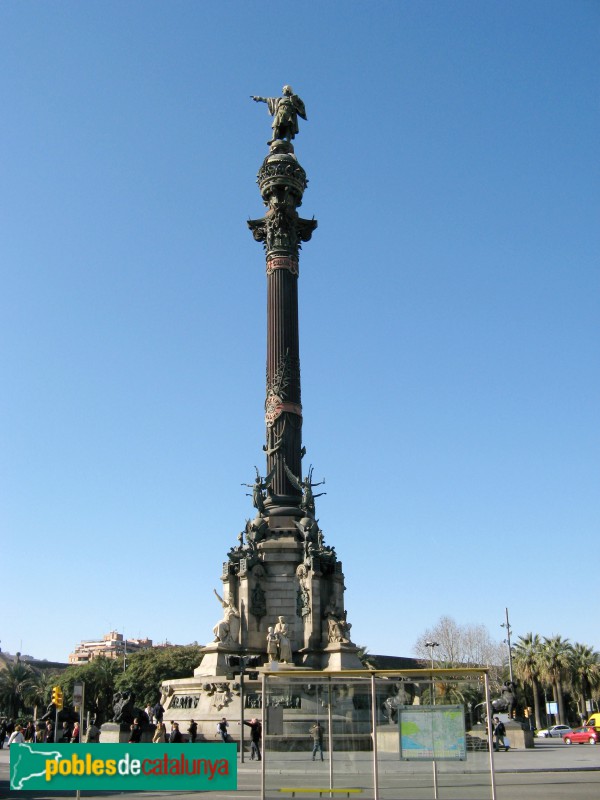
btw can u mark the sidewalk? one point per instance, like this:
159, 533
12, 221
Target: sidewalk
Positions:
548, 755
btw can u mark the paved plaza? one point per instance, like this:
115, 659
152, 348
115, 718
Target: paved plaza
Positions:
552, 771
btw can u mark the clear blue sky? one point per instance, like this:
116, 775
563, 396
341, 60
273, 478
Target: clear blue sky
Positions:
449, 309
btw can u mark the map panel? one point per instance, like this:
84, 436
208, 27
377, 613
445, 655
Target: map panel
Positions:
432, 733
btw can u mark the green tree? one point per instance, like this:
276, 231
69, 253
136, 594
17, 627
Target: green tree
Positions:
527, 665
556, 665
147, 669
585, 675
15, 679
99, 677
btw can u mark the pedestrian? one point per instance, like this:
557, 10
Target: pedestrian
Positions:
500, 738
29, 732
222, 729
49, 733
317, 733
40, 734
193, 730
160, 734
93, 733
135, 735
175, 737
75, 734
158, 712
149, 713
16, 736
2, 733
65, 733
255, 737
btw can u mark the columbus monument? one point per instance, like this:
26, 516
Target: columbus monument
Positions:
282, 586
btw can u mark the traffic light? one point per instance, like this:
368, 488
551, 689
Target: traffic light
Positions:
57, 697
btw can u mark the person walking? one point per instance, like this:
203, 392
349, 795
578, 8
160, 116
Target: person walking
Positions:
160, 734
255, 737
65, 733
16, 736
49, 733
75, 734
193, 731
158, 712
135, 735
222, 728
317, 733
93, 733
175, 737
500, 738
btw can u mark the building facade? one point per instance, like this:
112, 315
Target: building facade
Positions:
112, 645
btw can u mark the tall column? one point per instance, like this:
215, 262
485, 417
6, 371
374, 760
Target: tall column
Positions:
282, 182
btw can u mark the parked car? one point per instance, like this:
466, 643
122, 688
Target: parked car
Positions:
555, 730
583, 735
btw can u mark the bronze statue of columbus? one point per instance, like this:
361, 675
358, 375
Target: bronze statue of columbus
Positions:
285, 112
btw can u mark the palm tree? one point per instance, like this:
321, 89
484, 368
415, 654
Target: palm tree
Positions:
448, 693
556, 664
527, 665
14, 683
585, 673
38, 689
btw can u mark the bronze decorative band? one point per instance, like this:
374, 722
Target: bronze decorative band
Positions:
274, 410
282, 262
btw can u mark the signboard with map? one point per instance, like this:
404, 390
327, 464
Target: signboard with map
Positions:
432, 733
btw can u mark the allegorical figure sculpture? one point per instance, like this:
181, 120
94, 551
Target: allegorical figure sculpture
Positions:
227, 630
285, 112
258, 487
282, 632
258, 602
507, 700
124, 709
272, 644
306, 487
338, 629
390, 705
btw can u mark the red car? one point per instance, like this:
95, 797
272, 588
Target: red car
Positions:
582, 736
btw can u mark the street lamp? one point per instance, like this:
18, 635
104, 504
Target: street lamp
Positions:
507, 642
431, 646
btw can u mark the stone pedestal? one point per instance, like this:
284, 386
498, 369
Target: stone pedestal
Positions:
119, 732
388, 739
214, 660
519, 736
342, 656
